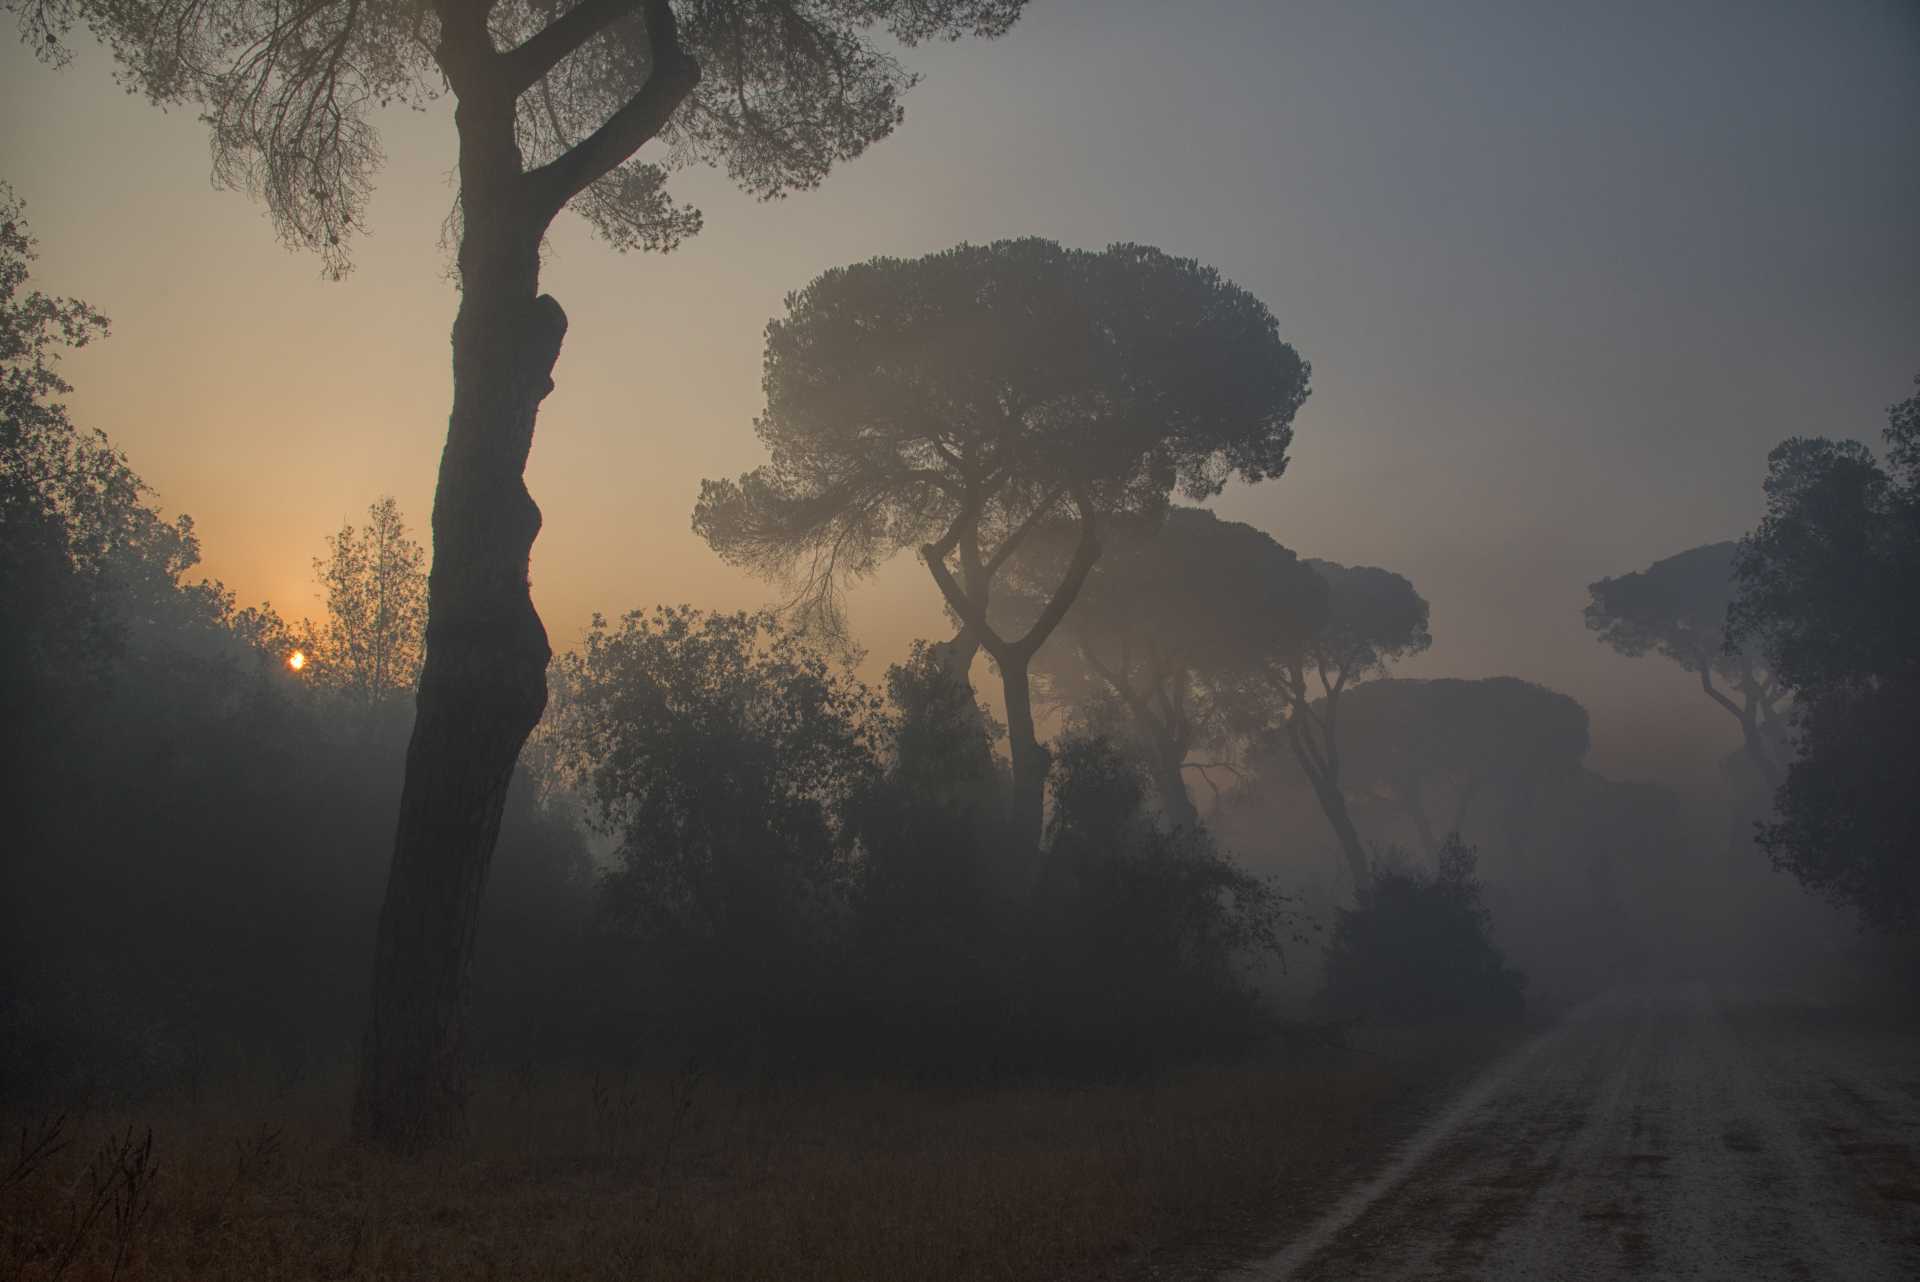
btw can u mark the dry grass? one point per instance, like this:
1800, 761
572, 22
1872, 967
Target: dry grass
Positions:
670, 1176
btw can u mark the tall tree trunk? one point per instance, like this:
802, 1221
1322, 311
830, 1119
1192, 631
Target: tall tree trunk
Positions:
482, 689
1333, 804
955, 658
1174, 797
1760, 752
1027, 805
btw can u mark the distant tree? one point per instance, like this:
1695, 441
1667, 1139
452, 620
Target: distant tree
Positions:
1374, 619
1169, 625
1677, 607
553, 103
1829, 594
374, 639
958, 402
1454, 743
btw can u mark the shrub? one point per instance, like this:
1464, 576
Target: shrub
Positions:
1419, 946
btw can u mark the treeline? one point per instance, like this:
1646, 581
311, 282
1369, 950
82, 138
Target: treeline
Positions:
721, 841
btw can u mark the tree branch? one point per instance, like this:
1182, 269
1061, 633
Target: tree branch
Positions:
1026, 527
675, 73
1084, 555
523, 67
972, 617
1713, 692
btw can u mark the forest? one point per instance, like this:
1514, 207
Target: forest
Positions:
1111, 930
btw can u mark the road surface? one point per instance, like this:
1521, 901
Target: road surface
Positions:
1666, 1134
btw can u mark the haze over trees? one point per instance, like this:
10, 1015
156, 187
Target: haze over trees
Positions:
724, 942
1438, 748
1677, 607
1374, 619
375, 581
553, 108
1171, 623
1829, 594
958, 402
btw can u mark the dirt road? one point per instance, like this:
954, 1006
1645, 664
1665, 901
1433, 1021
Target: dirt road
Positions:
1671, 1134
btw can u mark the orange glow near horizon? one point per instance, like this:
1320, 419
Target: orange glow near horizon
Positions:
297, 660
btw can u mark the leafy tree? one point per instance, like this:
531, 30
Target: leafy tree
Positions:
1419, 946
1144, 926
1169, 624
553, 105
1678, 608
1829, 593
375, 579
727, 759
1374, 618
89, 572
1456, 742
958, 402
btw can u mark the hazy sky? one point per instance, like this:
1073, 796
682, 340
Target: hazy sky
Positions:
1565, 272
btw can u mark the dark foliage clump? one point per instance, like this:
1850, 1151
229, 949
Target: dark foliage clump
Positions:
1143, 933
1829, 592
806, 868
1419, 946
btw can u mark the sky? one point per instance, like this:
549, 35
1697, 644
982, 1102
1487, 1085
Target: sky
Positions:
1564, 273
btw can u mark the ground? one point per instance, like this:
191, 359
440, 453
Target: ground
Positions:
1669, 1133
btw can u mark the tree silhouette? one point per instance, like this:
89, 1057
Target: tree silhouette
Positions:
958, 402
1829, 593
553, 104
375, 579
1678, 607
1169, 625
1457, 743
1374, 618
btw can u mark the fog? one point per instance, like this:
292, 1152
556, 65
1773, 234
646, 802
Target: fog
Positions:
1233, 552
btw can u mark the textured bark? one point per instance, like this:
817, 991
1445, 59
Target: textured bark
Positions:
483, 685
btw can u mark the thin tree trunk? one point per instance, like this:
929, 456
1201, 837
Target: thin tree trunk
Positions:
482, 690
1333, 804
1027, 806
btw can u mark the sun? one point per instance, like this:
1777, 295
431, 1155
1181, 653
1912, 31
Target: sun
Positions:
297, 660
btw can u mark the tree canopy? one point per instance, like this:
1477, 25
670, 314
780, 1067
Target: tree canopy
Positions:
1677, 607
1448, 742
1170, 622
375, 578
1374, 618
1830, 595
773, 92
957, 402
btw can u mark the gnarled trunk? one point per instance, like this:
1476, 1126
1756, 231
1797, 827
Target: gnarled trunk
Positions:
482, 690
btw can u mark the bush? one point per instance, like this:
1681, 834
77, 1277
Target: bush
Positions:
1143, 935
1418, 946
